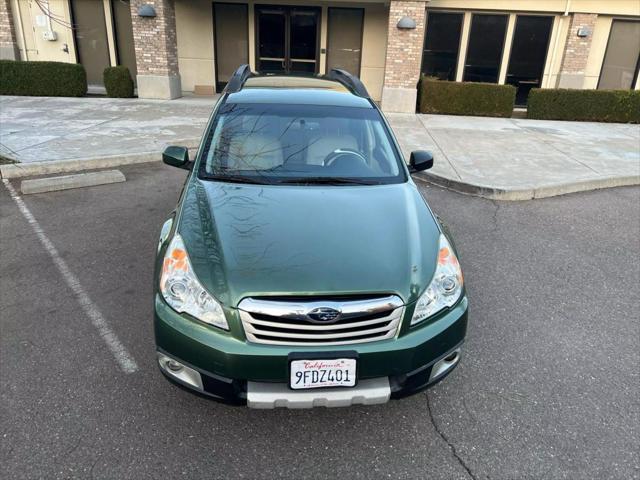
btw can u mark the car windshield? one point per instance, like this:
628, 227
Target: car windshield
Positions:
300, 144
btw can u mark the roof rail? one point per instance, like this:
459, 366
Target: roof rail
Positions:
238, 78
351, 82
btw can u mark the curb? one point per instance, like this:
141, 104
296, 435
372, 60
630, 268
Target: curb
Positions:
495, 193
66, 182
19, 170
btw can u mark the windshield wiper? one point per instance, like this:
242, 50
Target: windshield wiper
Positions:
237, 179
329, 181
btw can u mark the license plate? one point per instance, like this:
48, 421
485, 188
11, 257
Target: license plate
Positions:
336, 372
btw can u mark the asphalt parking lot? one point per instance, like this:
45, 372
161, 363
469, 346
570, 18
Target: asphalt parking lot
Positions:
548, 386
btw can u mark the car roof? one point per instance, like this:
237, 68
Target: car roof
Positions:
297, 90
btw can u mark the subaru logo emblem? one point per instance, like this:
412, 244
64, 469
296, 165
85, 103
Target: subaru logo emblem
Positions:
324, 315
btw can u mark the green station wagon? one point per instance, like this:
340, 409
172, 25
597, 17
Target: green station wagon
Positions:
302, 267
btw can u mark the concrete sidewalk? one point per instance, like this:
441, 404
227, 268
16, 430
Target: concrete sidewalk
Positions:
517, 159
40, 129
493, 157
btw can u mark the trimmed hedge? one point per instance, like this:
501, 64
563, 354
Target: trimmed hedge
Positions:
44, 79
470, 98
585, 105
118, 82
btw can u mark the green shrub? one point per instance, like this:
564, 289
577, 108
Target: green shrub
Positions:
118, 82
48, 79
455, 98
586, 105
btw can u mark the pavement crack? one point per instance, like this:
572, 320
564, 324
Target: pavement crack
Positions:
451, 446
93, 465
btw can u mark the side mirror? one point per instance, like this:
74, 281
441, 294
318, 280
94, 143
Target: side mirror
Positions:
176, 157
420, 160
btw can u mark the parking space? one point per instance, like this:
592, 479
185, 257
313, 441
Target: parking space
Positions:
547, 388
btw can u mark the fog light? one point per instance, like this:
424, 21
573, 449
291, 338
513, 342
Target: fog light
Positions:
174, 366
451, 357
180, 372
443, 366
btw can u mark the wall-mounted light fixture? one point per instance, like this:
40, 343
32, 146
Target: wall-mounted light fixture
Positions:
406, 23
584, 32
146, 10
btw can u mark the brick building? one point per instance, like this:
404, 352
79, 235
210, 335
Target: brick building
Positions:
176, 46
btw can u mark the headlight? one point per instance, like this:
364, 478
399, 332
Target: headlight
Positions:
182, 290
445, 287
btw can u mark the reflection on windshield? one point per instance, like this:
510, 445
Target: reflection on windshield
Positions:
265, 143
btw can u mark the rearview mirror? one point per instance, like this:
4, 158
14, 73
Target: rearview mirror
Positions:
420, 160
176, 157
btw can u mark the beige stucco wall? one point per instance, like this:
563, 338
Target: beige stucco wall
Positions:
374, 49
194, 31
596, 53
557, 44
31, 24
194, 26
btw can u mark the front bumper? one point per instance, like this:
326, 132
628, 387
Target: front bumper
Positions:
236, 371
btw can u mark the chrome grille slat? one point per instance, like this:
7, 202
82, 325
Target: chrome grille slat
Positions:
335, 326
343, 342
371, 331
280, 322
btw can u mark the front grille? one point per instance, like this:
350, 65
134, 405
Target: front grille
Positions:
287, 321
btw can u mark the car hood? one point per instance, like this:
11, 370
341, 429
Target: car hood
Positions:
257, 240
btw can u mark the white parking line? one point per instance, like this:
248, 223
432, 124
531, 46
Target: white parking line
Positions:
122, 356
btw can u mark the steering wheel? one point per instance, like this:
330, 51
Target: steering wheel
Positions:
341, 154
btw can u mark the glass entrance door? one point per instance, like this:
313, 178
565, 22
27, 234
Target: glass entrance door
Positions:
287, 39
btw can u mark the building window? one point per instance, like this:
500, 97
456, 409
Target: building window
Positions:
441, 45
90, 30
620, 66
344, 39
484, 52
528, 54
121, 10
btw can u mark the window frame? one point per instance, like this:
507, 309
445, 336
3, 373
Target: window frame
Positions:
461, 14
326, 59
606, 49
287, 10
513, 38
504, 42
